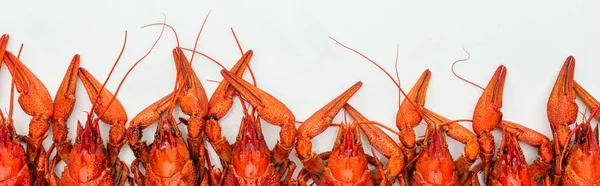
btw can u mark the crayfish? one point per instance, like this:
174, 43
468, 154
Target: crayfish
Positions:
577, 164
510, 164
409, 115
347, 163
17, 165
252, 163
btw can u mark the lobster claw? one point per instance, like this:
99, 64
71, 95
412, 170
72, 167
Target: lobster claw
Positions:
222, 98
487, 116
562, 109
33, 95
35, 100
111, 113
271, 110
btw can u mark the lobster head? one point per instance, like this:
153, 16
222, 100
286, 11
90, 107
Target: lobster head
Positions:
88, 138
251, 156
510, 165
167, 132
347, 162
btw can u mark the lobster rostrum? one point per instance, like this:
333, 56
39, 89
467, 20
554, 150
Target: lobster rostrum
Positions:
487, 117
347, 163
412, 110
252, 163
35, 100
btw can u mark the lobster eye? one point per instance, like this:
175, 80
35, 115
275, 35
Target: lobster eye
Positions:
172, 131
156, 135
505, 150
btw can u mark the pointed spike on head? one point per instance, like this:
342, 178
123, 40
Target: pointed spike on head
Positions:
269, 108
64, 101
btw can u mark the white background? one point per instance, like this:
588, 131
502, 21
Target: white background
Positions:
297, 63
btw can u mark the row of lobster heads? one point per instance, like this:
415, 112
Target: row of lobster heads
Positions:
174, 159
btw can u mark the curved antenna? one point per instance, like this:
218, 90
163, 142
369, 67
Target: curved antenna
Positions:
460, 77
128, 71
398, 74
242, 52
415, 106
198, 36
108, 77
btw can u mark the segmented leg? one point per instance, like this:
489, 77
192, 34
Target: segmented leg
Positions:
138, 176
121, 173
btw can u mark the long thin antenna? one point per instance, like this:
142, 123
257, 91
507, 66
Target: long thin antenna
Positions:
460, 77
108, 77
198, 37
129, 71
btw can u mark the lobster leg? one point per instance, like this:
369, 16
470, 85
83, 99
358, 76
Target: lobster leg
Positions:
64, 101
487, 116
271, 110
219, 104
408, 117
121, 173
193, 102
382, 143
463, 135
137, 174
542, 164
34, 100
587, 98
562, 109
113, 114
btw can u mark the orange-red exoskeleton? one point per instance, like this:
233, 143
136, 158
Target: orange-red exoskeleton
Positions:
169, 160
487, 117
35, 100
252, 163
88, 161
579, 163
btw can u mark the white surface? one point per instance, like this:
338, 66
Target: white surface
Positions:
296, 62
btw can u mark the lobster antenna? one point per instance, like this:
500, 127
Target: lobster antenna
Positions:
198, 37
388, 74
12, 89
398, 74
108, 77
460, 77
130, 69
242, 52
206, 56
